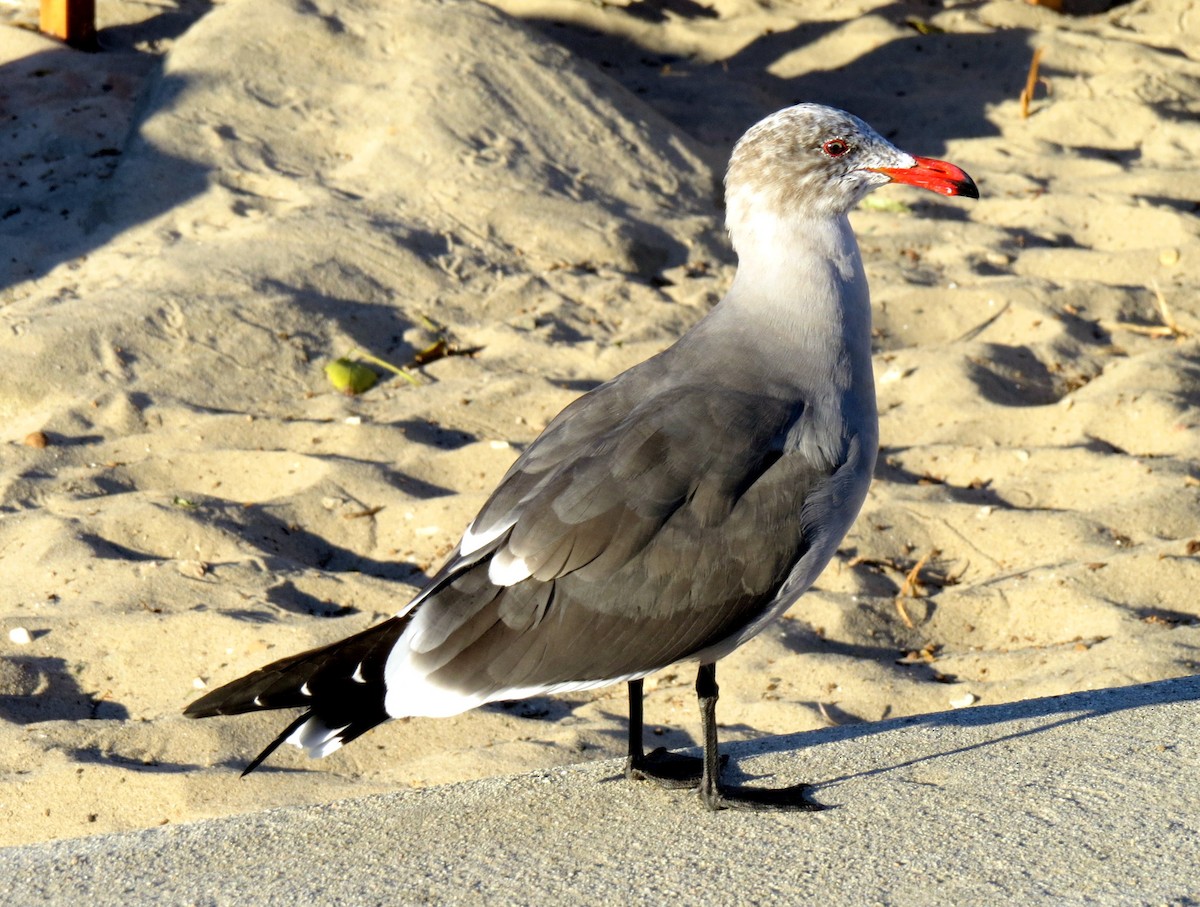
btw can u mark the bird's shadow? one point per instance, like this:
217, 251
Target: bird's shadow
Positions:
1033, 716
1051, 712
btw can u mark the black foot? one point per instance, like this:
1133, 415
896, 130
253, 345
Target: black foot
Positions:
790, 799
667, 769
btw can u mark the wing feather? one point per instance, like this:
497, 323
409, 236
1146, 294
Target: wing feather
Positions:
623, 516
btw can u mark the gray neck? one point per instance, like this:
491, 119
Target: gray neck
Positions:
798, 313
796, 325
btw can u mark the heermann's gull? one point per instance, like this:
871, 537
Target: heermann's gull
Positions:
670, 513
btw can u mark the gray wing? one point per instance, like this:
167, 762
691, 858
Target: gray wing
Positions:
632, 534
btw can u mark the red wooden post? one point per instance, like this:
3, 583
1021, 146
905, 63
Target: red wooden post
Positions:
73, 21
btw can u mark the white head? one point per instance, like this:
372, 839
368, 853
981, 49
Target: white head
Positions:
811, 161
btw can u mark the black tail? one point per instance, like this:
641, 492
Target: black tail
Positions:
340, 686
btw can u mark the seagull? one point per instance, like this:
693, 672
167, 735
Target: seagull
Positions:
668, 515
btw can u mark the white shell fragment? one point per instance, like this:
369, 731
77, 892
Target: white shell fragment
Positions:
192, 569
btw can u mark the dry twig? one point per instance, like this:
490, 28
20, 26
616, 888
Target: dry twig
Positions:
1031, 82
825, 714
911, 587
1169, 328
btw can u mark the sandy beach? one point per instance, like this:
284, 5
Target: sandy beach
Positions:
526, 197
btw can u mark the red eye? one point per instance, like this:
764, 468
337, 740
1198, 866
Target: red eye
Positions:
836, 147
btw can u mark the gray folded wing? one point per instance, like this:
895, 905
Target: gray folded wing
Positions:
635, 532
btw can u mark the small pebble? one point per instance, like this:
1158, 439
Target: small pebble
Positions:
1168, 257
19, 636
36, 439
961, 702
499, 445
199, 683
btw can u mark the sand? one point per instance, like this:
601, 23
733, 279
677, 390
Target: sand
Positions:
195, 221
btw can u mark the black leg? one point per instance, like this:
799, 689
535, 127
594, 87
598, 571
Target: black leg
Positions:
661, 766
636, 751
718, 796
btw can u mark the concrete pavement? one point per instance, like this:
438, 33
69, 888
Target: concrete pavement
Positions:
1089, 798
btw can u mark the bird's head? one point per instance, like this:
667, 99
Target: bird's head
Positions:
816, 161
